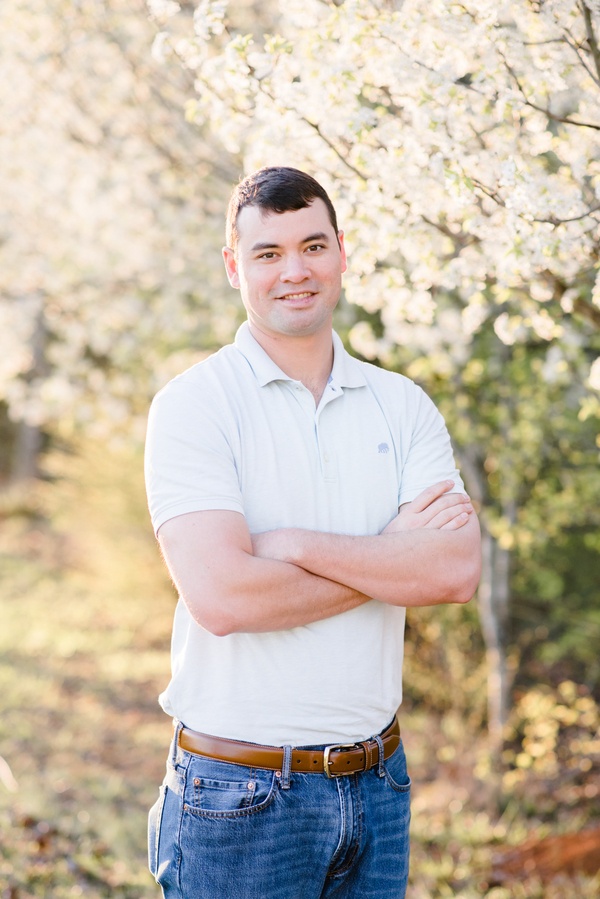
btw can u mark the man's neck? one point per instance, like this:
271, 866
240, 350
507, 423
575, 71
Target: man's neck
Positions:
308, 358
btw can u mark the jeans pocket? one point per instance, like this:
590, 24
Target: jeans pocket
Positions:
396, 773
154, 823
223, 790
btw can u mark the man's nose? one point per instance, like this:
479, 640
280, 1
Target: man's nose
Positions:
295, 268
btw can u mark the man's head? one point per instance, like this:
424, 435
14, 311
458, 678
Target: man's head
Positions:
275, 189
285, 254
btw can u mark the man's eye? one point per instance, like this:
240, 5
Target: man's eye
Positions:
314, 247
267, 256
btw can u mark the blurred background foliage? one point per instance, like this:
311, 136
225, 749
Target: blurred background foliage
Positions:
125, 125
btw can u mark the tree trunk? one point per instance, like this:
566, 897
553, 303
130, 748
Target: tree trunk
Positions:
28, 443
29, 437
493, 598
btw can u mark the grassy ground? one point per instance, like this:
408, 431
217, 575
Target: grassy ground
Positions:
86, 617
81, 731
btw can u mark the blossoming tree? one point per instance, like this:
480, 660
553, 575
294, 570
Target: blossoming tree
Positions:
105, 223
460, 141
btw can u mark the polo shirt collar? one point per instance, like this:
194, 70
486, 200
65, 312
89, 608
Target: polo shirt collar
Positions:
346, 371
265, 370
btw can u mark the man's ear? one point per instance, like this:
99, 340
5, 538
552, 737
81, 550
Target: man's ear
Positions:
343, 251
231, 267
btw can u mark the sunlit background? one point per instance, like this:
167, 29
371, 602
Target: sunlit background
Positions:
461, 145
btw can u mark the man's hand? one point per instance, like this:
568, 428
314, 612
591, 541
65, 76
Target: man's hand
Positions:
435, 508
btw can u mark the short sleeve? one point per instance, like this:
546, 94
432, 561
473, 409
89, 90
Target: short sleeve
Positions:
429, 457
189, 461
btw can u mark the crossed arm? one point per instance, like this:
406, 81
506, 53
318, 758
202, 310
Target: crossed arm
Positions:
232, 581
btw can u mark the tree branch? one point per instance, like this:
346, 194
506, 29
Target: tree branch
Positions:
554, 220
460, 240
432, 71
588, 311
332, 146
576, 47
591, 36
488, 191
325, 139
564, 120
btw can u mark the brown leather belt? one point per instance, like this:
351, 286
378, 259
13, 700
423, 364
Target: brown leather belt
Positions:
335, 760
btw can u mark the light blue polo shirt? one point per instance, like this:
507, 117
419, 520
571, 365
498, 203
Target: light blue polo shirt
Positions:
234, 432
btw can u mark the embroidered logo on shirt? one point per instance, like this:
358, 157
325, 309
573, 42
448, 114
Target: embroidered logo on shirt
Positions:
383, 448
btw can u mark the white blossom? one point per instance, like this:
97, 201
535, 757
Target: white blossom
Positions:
161, 10
596, 291
594, 375
209, 18
510, 328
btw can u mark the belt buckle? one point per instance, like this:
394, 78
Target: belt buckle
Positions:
333, 748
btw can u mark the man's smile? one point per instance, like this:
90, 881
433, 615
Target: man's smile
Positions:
297, 296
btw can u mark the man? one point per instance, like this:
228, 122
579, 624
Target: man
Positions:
302, 499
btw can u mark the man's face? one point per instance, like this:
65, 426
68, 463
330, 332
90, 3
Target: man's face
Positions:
288, 267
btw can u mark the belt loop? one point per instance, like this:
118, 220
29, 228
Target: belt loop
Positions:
380, 768
286, 768
177, 727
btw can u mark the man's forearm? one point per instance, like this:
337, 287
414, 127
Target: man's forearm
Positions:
228, 589
274, 595
406, 568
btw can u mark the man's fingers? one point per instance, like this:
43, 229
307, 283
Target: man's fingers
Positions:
456, 523
434, 507
454, 515
453, 524
447, 501
430, 494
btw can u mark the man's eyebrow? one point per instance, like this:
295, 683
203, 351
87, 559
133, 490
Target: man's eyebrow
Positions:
319, 236
269, 245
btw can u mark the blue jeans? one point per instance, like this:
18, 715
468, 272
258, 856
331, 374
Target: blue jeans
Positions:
225, 831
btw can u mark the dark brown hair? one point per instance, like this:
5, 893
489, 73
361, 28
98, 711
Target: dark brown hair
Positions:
275, 189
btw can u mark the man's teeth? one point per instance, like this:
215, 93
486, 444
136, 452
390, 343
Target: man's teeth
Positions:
296, 296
